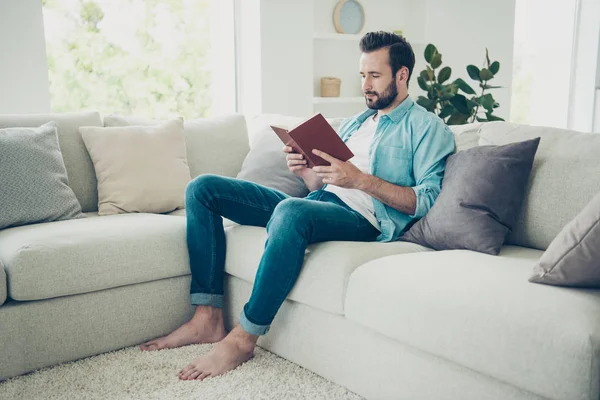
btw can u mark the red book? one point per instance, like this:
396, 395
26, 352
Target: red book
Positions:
314, 133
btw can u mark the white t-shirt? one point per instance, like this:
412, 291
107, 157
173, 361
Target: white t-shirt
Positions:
358, 200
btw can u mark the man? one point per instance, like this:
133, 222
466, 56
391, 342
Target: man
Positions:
394, 178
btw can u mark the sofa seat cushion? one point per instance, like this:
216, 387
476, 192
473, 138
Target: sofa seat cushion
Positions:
327, 266
78, 256
480, 311
3, 290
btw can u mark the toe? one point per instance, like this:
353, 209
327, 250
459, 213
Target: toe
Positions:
189, 371
195, 373
203, 376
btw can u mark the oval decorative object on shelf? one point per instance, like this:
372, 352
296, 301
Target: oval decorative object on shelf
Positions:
348, 16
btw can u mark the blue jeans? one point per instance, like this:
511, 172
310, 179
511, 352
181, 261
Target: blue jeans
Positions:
292, 224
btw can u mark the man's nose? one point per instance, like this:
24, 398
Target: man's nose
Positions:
366, 85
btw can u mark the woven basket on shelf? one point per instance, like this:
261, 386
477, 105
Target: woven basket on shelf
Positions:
330, 87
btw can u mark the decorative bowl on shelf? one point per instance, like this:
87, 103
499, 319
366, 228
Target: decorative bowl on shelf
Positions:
348, 17
330, 86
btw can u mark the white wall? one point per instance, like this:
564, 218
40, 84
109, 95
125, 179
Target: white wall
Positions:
290, 79
585, 66
286, 56
24, 86
275, 56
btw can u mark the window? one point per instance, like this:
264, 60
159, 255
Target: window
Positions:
148, 58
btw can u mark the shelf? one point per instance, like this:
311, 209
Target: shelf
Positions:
338, 100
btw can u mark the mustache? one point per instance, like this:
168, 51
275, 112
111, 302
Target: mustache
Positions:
373, 93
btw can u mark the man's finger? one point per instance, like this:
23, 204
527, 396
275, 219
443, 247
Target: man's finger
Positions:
325, 156
296, 162
323, 168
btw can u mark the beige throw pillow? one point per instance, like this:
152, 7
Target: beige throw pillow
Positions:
139, 168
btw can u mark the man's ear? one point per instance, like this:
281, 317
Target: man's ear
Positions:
402, 75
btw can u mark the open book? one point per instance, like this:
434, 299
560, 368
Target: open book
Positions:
314, 133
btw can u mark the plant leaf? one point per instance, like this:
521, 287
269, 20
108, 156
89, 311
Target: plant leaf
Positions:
479, 119
426, 103
471, 104
422, 83
460, 103
457, 119
446, 111
430, 73
486, 86
430, 50
487, 57
485, 75
424, 75
491, 117
473, 72
436, 60
464, 86
487, 101
495, 67
444, 74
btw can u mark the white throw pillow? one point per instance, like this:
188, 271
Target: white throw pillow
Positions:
139, 168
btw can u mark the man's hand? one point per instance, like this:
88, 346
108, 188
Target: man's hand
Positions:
296, 162
339, 173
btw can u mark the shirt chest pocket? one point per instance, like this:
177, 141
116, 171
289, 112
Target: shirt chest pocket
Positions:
395, 164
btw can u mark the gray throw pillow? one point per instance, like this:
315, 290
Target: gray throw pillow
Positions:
481, 196
33, 182
266, 165
573, 257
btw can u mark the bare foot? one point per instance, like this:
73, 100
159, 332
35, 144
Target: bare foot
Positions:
205, 327
228, 354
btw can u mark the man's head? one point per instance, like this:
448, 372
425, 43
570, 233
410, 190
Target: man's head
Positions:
386, 64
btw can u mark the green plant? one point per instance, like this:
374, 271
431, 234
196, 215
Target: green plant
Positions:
444, 99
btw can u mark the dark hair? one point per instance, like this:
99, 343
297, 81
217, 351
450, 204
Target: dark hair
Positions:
400, 51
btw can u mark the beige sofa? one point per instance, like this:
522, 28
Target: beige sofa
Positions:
386, 320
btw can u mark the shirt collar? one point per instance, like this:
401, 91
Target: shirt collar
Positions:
395, 115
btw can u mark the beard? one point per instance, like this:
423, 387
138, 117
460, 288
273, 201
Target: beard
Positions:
384, 99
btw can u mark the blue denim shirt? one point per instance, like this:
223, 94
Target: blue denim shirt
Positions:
409, 148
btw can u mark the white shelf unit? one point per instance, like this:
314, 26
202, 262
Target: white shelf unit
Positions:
338, 100
337, 54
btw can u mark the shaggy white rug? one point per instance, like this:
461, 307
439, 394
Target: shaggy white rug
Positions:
133, 374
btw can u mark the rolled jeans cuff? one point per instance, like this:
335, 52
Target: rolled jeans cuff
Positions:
207, 299
251, 327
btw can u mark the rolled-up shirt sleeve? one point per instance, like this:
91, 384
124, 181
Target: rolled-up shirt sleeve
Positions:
433, 142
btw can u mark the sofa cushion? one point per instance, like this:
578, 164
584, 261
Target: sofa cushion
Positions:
80, 170
139, 168
84, 255
266, 162
466, 136
3, 290
481, 312
573, 257
564, 179
34, 182
327, 266
215, 145
481, 197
